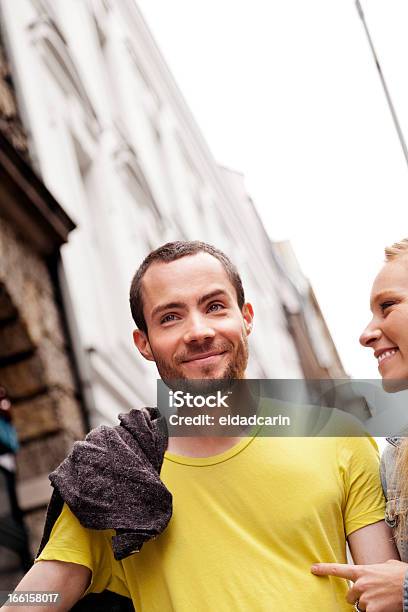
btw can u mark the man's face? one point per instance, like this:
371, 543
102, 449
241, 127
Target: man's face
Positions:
196, 329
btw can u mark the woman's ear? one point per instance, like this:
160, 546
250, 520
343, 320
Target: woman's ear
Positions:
142, 343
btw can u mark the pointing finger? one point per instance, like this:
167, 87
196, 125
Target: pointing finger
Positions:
341, 570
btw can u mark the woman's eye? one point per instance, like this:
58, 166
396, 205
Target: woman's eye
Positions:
386, 305
215, 307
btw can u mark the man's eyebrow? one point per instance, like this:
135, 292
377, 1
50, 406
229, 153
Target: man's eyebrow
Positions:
168, 306
212, 294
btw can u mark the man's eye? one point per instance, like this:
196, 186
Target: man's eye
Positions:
215, 307
386, 305
168, 318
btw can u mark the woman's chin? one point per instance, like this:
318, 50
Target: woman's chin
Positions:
393, 385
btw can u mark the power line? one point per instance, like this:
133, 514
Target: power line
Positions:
384, 84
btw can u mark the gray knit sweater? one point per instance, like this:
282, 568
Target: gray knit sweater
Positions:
393, 507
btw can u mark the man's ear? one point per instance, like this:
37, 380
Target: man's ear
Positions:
248, 314
141, 341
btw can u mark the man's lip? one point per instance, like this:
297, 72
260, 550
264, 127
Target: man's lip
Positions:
204, 356
379, 352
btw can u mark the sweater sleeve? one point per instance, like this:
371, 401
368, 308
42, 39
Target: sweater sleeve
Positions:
405, 609
383, 474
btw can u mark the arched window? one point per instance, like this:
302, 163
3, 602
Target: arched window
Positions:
54, 51
129, 168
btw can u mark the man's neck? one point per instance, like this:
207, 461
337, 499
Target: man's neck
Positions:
240, 402
201, 446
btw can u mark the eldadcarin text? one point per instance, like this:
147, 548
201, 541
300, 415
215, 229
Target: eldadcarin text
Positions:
231, 419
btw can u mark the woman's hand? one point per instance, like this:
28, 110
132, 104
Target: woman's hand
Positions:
378, 587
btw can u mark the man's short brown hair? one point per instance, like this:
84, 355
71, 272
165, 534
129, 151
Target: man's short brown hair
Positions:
170, 252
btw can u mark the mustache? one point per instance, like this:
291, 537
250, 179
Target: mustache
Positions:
206, 347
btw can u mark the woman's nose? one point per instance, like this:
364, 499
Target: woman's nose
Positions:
370, 335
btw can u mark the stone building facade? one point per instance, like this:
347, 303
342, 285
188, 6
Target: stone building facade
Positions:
36, 367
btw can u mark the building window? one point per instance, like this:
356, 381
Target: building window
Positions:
55, 54
143, 75
129, 168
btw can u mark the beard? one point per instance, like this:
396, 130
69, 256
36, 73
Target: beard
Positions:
174, 377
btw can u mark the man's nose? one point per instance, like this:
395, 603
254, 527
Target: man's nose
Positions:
371, 333
198, 330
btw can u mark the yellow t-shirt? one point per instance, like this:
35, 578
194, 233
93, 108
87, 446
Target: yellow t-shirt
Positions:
246, 527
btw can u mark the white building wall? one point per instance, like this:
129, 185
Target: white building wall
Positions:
116, 144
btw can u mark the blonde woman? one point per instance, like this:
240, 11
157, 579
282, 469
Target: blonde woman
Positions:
383, 587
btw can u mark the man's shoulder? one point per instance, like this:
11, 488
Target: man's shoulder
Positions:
67, 518
68, 525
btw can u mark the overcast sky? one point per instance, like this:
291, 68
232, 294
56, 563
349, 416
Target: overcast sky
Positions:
288, 94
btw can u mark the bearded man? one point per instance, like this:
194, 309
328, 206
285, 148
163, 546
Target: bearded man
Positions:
251, 514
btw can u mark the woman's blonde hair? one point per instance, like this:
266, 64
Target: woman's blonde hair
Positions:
398, 249
401, 491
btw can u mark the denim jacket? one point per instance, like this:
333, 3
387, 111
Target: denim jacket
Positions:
393, 507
